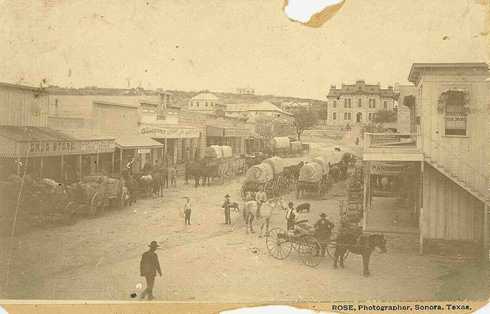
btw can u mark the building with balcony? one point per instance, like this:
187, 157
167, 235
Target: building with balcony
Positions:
358, 103
445, 201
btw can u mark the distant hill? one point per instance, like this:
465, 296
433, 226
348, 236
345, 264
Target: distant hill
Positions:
181, 98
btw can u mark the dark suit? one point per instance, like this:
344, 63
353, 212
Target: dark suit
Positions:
149, 266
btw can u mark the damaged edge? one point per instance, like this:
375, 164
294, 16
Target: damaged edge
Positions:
319, 18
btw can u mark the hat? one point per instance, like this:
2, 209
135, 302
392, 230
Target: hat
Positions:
154, 244
323, 215
290, 204
227, 195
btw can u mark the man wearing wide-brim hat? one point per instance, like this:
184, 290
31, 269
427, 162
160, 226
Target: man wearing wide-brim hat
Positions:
226, 206
323, 231
149, 266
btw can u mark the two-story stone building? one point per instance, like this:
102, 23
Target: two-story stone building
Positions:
357, 103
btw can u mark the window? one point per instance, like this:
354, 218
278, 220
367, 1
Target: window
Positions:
385, 104
347, 103
359, 102
334, 116
371, 116
347, 115
372, 103
455, 112
334, 104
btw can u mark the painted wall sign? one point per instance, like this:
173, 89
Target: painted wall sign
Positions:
162, 132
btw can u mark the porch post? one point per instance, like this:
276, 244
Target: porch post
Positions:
97, 161
120, 159
80, 167
62, 166
367, 178
421, 206
112, 162
41, 166
486, 253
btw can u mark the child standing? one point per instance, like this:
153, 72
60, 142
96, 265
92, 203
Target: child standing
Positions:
187, 210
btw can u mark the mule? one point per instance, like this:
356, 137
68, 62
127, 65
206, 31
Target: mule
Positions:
363, 245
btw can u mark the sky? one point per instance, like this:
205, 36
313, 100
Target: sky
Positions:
222, 45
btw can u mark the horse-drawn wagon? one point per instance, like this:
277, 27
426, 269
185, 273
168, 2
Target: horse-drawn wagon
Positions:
100, 192
313, 178
268, 175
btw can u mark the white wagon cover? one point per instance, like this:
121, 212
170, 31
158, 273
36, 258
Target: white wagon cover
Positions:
277, 163
226, 151
311, 172
280, 142
260, 173
213, 151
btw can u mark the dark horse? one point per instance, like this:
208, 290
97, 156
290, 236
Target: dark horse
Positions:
364, 245
202, 171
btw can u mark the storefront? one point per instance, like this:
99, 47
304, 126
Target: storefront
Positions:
230, 136
143, 149
43, 152
180, 143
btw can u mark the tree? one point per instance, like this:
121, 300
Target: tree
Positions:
304, 119
385, 116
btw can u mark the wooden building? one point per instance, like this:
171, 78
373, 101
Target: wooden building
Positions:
451, 144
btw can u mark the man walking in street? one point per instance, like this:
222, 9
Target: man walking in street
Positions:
226, 207
323, 231
149, 266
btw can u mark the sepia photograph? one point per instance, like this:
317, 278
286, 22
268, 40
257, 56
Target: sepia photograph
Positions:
245, 151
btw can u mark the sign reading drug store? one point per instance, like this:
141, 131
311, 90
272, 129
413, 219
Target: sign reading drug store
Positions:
57, 148
171, 132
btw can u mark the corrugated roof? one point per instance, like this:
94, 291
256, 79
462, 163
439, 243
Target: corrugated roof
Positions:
86, 134
136, 140
263, 106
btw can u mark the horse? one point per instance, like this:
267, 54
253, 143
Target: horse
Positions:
363, 245
157, 175
147, 182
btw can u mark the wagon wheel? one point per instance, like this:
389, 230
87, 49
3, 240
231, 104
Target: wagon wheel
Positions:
310, 251
278, 243
96, 204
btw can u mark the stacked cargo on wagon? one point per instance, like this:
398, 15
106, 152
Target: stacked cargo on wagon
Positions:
227, 164
313, 177
268, 175
281, 146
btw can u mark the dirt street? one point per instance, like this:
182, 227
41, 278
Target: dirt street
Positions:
207, 261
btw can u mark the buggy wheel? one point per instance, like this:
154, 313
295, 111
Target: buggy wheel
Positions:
278, 244
310, 251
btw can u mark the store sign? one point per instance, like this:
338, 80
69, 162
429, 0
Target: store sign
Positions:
232, 132
144, 151
383, 169
50, 148
456, 122
96, 146
170, 132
